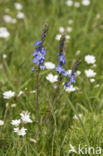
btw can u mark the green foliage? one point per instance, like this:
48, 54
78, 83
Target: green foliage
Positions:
59, 129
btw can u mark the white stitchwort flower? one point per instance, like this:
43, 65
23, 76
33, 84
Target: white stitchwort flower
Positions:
86, 2
4, 56
25, 116
20, 132
69, 29
70, 21
20, 15
78, 72
9, 19
90, 73
69, 3
13, 105
58, 37
32, 91
1, 122
97, 85
8, 94
61, 29
76, 117
52, 78
15, 122
90, 59
18, 6
67, 37
4, 33
49, 65
92, 80
70, 89
20, 93
77, 4
69, 71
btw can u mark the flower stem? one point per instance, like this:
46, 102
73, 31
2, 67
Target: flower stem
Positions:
37, 97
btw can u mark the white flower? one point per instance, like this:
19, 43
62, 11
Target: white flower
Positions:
4, 33
69, 71
52, 78
70, 21
20, 15
32, 91
20, 132
8, 94
77, 4
25, 116
70, 89
9, 19
20, 93
67, 37
97, 85
69, 3
33, 140
90, 73
15, 122
1, 122
58, 37
18, 6
4, 56
13, 105
92, 80
61, 29
72, 149
69, 29
90, 59
76, 117
78, 72
49, 65
86, 2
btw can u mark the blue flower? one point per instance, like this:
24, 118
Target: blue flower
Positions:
68, 84
65, 73
32, 69
72, 78
37, 43
40, 52
62, 59
60, 69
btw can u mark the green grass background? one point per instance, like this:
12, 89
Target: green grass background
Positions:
60, 130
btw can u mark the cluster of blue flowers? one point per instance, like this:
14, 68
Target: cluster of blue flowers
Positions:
60, 69
72, 75
40, 52
62, 60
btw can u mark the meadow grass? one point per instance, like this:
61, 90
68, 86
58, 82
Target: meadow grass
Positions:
59, 130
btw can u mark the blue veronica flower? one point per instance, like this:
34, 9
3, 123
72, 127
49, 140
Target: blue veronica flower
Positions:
72, 78
33, 69
40, 52
62, 59
68, 84
72, 75
65, 73
37, 43
60, 69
